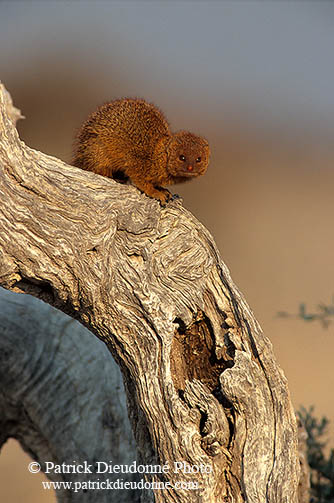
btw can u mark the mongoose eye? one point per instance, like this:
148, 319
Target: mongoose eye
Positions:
182, 157
198, 159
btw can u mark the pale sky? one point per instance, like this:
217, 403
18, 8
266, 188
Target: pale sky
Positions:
274, 59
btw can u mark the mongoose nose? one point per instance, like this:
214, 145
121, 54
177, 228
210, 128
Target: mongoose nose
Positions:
190, 168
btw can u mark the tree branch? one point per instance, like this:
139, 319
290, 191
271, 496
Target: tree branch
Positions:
202, 383
49, 400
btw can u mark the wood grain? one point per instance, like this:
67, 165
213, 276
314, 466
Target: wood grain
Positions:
202, 383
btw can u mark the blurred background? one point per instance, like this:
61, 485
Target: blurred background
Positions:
256, 78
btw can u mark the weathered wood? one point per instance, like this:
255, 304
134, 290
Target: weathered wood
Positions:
202, 383
304, 489
50, 400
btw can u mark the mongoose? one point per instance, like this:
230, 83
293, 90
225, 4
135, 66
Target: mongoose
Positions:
130, 139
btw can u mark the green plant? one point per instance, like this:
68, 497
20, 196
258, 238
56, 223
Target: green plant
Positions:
324, 313
322, 465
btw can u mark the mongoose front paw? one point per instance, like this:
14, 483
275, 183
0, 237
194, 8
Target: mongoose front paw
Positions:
163, 195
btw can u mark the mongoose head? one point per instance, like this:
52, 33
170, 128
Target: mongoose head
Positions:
187, 155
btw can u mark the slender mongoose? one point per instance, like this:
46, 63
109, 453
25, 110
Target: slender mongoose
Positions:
130, 139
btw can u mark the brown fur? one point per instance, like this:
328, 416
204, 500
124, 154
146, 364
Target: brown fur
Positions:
130, 138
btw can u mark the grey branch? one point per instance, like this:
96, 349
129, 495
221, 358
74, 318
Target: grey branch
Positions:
203, 387
50, 400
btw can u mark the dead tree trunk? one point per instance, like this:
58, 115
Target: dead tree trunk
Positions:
49, 400
207, 400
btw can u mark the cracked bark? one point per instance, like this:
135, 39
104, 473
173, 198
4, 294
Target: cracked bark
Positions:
202, 384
